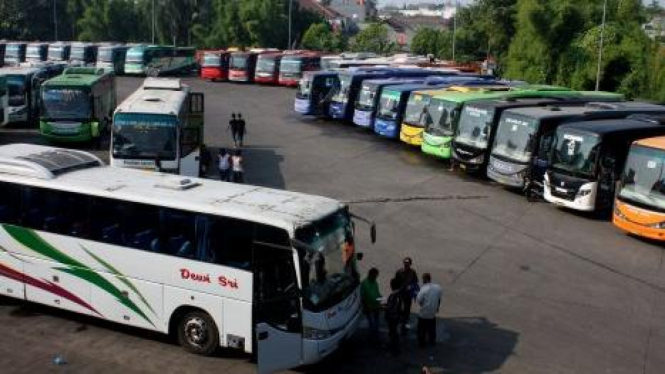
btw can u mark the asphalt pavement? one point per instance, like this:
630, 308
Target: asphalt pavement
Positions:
528, 287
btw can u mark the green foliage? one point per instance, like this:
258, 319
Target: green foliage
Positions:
374, 38
321, 37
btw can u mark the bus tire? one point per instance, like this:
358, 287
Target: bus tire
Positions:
197, 333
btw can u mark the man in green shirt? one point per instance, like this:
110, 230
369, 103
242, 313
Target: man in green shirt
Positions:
369, 291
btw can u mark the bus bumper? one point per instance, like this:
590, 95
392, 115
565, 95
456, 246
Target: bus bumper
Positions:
265, 79
363, 118
387, 129
625, 218
212, 74
316, 350
17, 114
411, 135
67, 132
337, 110
436, 146
289, 82
505, 173
582, 202
134, 69
303, 106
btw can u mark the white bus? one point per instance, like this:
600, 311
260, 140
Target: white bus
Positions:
159, 127
264, 271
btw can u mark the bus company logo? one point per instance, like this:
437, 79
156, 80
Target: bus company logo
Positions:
222, 280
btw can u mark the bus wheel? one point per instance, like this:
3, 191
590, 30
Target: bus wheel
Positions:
198, 334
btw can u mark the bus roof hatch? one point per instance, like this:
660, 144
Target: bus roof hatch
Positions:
162, 84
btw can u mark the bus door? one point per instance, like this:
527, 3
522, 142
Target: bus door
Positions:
608, 174
277, 309
191, 137
33, 96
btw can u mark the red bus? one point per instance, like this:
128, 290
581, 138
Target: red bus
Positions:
215, 65
267, 68
293, 67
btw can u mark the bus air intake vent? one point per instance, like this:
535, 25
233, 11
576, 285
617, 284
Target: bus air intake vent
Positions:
178, 184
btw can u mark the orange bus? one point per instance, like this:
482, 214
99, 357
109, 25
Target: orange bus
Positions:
639, 207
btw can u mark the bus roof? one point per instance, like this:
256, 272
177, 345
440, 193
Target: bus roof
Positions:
77, 77
156, 96
540, 113
80, 172
616, 126
461, 94
19, 70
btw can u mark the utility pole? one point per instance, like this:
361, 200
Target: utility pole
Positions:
153, 21
600, 47
290, 19
55, 19
454, 28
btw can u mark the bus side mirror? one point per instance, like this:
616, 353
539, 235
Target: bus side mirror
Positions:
372, 233
360, 256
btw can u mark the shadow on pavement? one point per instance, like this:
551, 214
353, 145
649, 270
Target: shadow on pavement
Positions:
261, 164
464, 345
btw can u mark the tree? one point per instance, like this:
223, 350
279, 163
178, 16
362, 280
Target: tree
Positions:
374, 38
321, 37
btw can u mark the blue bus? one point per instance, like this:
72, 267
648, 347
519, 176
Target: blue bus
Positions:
341, 106
368, 98
392, 102
314, 92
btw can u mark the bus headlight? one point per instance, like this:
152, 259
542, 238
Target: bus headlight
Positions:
619, 213
582, 193
659, 225
315, 334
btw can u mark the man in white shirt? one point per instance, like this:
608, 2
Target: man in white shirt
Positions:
429, 300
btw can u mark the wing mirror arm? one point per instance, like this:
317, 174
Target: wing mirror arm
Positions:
372, 226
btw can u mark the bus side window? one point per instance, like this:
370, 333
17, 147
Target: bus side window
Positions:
54, 211
10, 198
229, 242
177, 233
190, 141
124, 223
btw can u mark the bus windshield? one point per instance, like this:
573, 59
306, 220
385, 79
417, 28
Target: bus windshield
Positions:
266, 65
575, 153
105, 55
440, 118
211, 60
474, 126
56, 53
77, 53
12, 50
342, 96
328, 274
33, 52
643, 180
366, 98
388, 106
291, 66
514, 138
135, 55
144, 136
66, 103
16, 88
239, 62
416, 109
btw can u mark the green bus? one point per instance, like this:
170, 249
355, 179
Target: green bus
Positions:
78, 105
156, 60
440, 125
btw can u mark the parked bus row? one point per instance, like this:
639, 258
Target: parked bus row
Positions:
141, 59
568, 147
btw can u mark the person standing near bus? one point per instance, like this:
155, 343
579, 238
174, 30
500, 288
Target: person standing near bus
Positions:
233, 126
241, 130
394, 311
224, 165
429, 300
369, 291
236, 165
408, 284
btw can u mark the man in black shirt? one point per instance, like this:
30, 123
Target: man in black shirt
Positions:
407, 279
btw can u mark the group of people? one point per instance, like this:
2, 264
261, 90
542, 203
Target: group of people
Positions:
230, 164
405, 288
